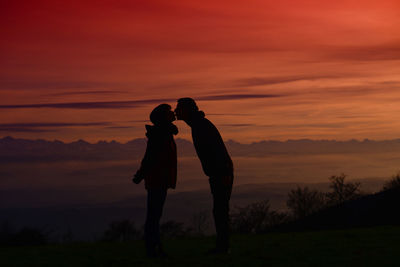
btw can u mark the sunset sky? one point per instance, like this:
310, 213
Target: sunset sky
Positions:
260, 69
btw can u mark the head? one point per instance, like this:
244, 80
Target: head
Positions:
185, 108
162, 114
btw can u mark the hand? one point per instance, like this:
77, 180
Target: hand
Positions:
137, 178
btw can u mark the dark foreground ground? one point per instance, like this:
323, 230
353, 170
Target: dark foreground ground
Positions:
378, 246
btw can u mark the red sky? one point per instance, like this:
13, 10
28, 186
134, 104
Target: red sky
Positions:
260, 69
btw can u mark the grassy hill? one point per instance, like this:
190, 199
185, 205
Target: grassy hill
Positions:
381, 208
376, 246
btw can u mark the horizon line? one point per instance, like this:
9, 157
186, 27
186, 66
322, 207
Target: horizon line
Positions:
225, 141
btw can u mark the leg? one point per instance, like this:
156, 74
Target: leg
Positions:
155, 204
221, 196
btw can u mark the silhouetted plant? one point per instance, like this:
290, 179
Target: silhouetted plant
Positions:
30, 237
121, 231
68, 236
255, 218
27, 236
200, 223
172, 229
342, 191
392, 183
304, 201
7, 232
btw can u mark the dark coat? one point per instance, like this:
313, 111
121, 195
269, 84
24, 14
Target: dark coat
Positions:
159, 164
211, 149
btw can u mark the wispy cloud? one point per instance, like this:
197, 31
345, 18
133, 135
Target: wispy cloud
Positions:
52, 124
258, 81
135, 103
44, 127
119, 127
237, 97
386, 51
309, 125
24, 130
97, 92
290, 126
21, 84
238, 125
87, 105
230, 114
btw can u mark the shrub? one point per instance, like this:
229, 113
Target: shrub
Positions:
342, 191
392, 183
121, 231
303, 201
27, 236
172, 229
200, 223
255, 218
30, 237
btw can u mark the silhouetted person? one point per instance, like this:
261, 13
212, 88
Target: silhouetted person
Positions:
216, 163
158, 169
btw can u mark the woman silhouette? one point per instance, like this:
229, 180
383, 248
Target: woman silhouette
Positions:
158, 170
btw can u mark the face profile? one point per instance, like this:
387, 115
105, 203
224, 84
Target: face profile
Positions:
171, 116
185, 108
180, 112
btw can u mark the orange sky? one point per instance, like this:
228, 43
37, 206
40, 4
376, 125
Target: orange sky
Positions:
260, 69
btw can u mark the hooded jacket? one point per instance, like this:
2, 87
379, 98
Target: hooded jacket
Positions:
159, 164
211, 150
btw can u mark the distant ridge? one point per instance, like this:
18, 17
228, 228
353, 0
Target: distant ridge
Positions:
12, 149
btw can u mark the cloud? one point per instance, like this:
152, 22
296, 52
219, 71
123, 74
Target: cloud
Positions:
230, 114
290, 126
44, 127
119, 127
176, 85
109, 92
135, 103
51, 124
21, 85
24, 130
85, 105
388, 51
236, 97
238, 125
309, 125
138, 121
257, 81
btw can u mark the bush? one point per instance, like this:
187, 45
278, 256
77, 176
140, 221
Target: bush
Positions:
122, 231
27, 236
392, 183
303, 201
7, 232
200, 223
255, 218
342, 191
30, 237
173, 229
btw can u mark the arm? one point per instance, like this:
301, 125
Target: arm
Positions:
147, 162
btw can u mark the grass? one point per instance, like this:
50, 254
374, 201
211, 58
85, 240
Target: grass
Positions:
378, 246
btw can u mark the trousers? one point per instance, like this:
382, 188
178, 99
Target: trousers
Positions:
155, 204
221, 195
